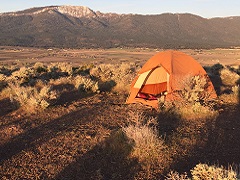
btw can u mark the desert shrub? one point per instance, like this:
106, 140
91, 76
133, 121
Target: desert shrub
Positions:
85, 83
81, 83
82, 69
194, 100
235, 68
117, 144
173, 175
62, 80
40, 67
55, 71
204, 171
228, 77
52, 67
148, 148
32, 98
193, 89
235, 90
121, 74
138, 118
232, 97
22, 76
65, 67
102, 71
70, 69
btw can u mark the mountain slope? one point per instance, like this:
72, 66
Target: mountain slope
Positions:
78, 26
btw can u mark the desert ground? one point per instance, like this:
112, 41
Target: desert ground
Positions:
85, 133
118, 55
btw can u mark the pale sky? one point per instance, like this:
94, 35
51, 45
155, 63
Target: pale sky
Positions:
204, 8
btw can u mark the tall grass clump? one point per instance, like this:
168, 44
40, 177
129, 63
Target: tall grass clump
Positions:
148, 148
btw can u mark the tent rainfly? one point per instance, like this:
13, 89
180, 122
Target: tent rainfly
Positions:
162, 74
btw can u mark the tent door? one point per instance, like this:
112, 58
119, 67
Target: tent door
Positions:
154, 81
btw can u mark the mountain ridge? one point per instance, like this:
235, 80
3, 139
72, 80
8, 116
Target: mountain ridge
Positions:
80, 26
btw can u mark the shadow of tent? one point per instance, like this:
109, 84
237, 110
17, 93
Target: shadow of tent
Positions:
108, 160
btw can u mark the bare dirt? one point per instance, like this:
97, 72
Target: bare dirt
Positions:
64, 141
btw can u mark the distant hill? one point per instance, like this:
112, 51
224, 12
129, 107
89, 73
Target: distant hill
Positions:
78, 26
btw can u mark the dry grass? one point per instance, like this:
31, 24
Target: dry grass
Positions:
195, 111
148, 148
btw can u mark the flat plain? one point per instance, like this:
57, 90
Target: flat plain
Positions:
116, 55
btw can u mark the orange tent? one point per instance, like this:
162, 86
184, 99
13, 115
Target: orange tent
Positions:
162, 74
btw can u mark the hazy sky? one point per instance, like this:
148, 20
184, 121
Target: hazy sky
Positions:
204, 8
